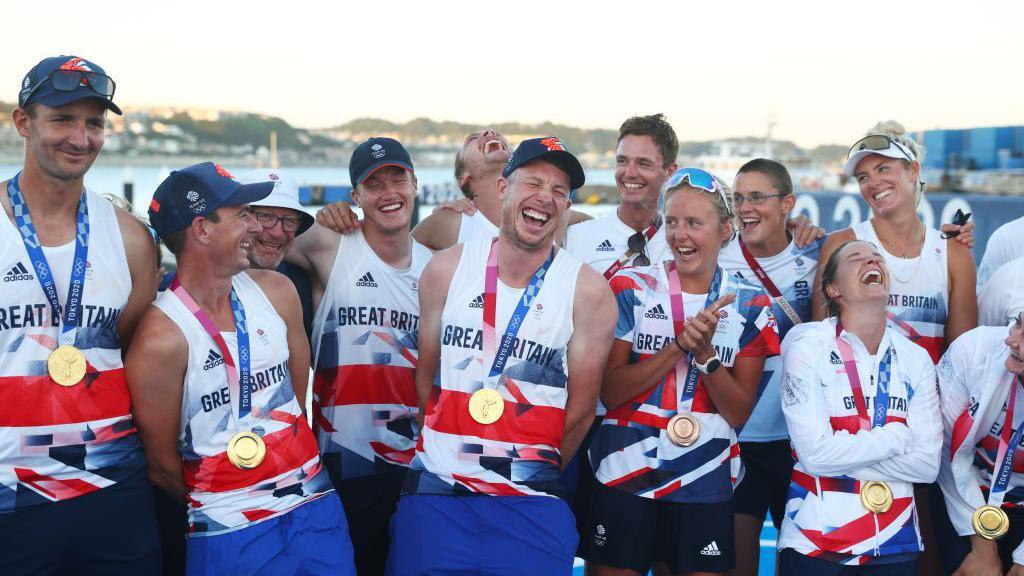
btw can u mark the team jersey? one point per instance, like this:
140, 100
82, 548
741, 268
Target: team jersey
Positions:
518, 455
824, 515
222, 498
918, 289
631, 450
792, 271
1002, 298
602, 241
975, 395
1003, 246
364, 393
475, 226
57, 443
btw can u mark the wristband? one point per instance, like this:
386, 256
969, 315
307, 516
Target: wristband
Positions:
678, 345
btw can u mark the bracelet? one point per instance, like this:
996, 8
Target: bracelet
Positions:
678, 345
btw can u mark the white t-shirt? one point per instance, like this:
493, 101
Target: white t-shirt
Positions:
1003, 246
1002, 297
601, 241
476, 226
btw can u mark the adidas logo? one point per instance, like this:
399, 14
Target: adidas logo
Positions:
656, 312
367, 280
213, 359
711, 550
477, 302
605, 246
18, 272
834, 359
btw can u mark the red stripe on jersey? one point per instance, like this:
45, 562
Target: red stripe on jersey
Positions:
646, 419
483, 487
629, 476
38, 401
519, 423
846, 536
621, 283
851, 423
961, 428
55, 488
766, 343
365, 384
258, 514
287, 450
389, 453
661, 493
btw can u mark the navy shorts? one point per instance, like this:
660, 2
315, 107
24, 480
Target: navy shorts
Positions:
311, 539
629, 531
369, 503
767, 470
109, 531
793, 563
477, 534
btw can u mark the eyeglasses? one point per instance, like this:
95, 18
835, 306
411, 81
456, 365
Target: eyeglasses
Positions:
70, 80
637, 244
268, 221
877, 143
755, 198
698, 179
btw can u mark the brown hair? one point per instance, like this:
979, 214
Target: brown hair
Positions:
658, 128
773, 170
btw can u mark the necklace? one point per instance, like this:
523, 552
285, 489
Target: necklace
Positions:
903, 255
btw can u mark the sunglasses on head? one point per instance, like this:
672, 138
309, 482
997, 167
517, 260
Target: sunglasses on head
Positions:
878, 143
696, 178
70, 80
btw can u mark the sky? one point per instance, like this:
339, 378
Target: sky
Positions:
822, 72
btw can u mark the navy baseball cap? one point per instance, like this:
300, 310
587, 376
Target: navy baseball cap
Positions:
61, 80
551, 150
197, 191
374, 154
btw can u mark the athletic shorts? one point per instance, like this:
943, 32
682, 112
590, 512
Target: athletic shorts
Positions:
370, 502
767, 470
478, 534
793, 563
629, 531
311, 539
109, 531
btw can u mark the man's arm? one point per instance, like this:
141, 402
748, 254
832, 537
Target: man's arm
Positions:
155, 372
281, 293
438, 231
140, 252
593, 317
434, 283
314, 251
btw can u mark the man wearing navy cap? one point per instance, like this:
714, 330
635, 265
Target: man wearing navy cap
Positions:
77, 273
514, 334
218, 377
364, 343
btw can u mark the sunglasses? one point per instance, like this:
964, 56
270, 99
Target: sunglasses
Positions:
637, 244
698, 179
878, 143
71, 80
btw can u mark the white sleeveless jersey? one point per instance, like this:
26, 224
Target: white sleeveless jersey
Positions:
223, 498
918, 291
601, 241
475, 227
365, 333
824, 515
975, 395
1003, 246
519, 454
57, 443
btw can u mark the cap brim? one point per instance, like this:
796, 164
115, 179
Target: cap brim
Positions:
373, 168
249, 194
856, 157
569, 164
58, 99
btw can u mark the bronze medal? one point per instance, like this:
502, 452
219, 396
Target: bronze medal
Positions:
990, 523
66, 365
486, 406
683, 429
246, 450
876, 496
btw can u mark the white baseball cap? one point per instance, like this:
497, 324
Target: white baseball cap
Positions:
284, 195
877, 144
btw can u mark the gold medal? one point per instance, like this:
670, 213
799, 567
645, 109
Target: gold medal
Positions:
683, 429
246, 450
66, 365
990, 523
486, 406
876, 496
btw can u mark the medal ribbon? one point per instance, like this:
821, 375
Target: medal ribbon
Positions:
881, 391
1008, 441
773, 290
685, 370
72, 315
499, 354
240, 377
628, 254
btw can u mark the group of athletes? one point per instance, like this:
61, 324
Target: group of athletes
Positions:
507, 385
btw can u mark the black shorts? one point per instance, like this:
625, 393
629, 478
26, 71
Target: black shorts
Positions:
628, 531
767, 470
369, 503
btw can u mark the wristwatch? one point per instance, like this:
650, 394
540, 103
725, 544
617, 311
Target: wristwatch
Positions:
710, 366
